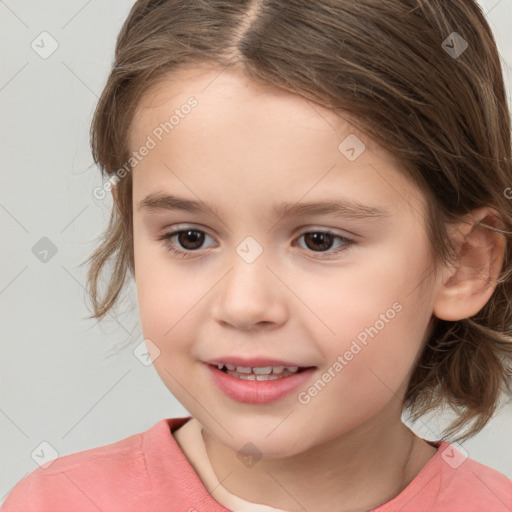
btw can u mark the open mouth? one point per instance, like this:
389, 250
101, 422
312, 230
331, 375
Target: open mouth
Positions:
258, 384
261, 373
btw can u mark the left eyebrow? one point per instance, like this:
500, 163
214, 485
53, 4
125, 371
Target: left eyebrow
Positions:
339, 208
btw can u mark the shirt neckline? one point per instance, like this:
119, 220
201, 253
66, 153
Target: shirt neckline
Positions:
167, 462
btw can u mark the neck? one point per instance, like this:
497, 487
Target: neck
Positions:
361, 469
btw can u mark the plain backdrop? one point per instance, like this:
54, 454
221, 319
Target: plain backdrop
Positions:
66, 380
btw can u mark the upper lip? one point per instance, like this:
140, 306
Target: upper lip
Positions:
254, 362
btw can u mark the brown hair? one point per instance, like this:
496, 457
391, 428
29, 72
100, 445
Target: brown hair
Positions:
388, 66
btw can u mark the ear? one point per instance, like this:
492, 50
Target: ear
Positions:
470, 282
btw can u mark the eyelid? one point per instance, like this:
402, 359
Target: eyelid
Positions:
174, 229
347, 242
326, 229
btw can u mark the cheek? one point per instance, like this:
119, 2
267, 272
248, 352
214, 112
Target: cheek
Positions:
377, 315
366, 296
166, 300
368, 367
172, 300
161, 294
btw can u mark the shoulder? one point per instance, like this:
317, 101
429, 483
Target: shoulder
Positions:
453, 482
99, 477
474, 485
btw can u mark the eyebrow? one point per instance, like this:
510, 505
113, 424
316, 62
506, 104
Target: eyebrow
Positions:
157, 201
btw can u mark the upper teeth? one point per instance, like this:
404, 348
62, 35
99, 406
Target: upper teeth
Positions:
265, 370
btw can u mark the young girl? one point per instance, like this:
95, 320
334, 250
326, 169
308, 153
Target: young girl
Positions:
314, 201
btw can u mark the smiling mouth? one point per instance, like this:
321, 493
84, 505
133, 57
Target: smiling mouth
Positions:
260, 373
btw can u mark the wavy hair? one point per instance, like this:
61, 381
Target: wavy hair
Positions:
391, 66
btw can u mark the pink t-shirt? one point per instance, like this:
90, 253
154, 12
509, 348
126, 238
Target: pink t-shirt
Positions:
149, 472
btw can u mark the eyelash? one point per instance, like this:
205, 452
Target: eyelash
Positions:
166, 240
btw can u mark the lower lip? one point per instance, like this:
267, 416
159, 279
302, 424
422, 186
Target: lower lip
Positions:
258, 391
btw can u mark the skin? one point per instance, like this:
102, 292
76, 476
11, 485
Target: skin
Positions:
243, 149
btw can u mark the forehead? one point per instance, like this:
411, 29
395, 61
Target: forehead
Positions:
253, 126
220, 92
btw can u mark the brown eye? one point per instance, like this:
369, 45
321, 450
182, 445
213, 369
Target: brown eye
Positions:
183, 242
321, 242
318, 240
190, 239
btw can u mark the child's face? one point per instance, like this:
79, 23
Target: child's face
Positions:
359, 315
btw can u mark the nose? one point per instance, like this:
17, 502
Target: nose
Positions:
250, 295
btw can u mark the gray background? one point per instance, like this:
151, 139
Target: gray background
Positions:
66, 380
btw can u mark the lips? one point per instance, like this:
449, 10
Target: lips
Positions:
258, 388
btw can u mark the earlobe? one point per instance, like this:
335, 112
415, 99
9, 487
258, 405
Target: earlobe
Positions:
467, 286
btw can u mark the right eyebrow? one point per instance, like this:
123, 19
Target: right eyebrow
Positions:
159, 201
